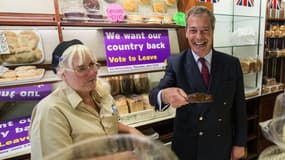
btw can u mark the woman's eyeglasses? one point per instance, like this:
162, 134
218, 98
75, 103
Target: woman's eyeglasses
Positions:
85, 68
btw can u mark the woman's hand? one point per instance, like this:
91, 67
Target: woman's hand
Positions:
130, 130
135, 131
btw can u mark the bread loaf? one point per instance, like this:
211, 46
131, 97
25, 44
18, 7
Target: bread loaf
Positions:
28, 39
121, 103
141, 83
146, 104
115, 85
145, 1
159, 7
135, 103
127, 84
170, 2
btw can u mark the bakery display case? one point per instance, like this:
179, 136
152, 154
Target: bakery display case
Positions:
239, 32
274, 61
242, 29
130, 82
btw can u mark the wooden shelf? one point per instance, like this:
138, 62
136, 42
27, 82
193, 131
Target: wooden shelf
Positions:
115, 25
27, 19
103, 72
275, 19
49, 77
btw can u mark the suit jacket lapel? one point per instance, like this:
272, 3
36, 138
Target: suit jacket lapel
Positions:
215, 75
194, 77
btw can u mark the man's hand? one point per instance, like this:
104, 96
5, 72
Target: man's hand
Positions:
237, 152
176, 97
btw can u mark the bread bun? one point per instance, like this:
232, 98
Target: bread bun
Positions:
9, 74
28, 38
130, 5
135, 103
170, 2
24, 68
126, 84
153, 20
121, 103
141, 83
26, 73
12, 41
282, 28
167, 20
135, 18
145, 1
7, 79
159, 7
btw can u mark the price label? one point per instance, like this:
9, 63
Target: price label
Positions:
115, 13
4, 49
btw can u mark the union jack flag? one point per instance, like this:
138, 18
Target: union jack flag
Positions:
246, 3
275, 4
210, 1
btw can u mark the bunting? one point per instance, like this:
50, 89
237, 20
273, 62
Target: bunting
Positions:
274, 4
246, 3
210, 1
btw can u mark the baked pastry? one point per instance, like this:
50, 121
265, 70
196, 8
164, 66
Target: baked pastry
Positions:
145, 100
28, 38
274, 28
282, 28
7, 79
12, 40
167, 20
265, 89
38, 54
170, 2
268, 34
153, 20
121, 103
9, 74
135, 103
24, 68
200, 98
269, 81
159, 7
141, 83
135, 18
126, 84
144, 1
130, 5
245, 65
115, 85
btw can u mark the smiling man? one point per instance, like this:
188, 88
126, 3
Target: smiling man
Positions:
206, 88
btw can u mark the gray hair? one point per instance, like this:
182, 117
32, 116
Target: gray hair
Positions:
199, 10
78, 50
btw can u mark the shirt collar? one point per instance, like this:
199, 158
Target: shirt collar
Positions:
75, 99
208, 57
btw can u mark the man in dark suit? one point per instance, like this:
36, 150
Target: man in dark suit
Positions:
215, 130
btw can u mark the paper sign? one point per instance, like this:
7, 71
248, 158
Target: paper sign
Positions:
26, 93
4, 49
136, 49
115, 13
14, 134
